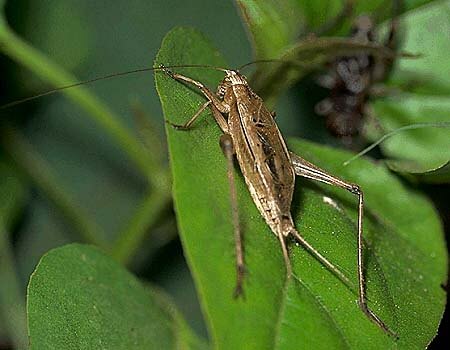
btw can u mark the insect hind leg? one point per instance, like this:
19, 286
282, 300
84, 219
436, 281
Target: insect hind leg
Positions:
306, 169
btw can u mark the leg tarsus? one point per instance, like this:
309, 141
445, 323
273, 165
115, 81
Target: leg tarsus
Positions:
191, 121
239, 290
287, 261
177, 126
375, 319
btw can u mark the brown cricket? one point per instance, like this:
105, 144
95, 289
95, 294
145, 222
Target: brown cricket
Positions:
269, 170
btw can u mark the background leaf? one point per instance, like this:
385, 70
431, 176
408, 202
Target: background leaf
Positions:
406, 254
78, 298
427, 78
274, 26
439, 175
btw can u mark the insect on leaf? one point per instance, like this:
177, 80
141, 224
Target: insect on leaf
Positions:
406, 259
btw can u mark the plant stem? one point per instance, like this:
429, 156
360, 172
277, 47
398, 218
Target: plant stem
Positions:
12, 300
23, 53
148, 212
40, 173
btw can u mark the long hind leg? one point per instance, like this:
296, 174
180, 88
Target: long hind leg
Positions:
306, 169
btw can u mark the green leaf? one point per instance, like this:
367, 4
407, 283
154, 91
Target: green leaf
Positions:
318, 13
440, 174
281, 30
427, 148
406, 254
418, 36
79, 298
274, 25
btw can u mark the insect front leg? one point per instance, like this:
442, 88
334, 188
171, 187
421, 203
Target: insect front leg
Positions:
226, 143
217, 106
306, 169
211, 96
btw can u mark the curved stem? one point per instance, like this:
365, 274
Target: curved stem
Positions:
148, 212
20, 51
40, 173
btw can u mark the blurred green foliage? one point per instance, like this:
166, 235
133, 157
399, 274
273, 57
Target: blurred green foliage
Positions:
92, 168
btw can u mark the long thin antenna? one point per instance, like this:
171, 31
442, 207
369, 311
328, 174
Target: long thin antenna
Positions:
104, 77
262, 61
394, 132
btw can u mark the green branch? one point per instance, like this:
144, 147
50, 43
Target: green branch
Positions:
145, 217
40, 173
20, 51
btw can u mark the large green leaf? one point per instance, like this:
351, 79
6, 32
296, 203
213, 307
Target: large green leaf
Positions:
79, 298
406, 254
428, 102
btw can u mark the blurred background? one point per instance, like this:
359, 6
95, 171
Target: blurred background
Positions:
97, 186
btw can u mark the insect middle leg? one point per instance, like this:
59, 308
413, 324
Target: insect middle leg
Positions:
306, 169
226, 143
188, 124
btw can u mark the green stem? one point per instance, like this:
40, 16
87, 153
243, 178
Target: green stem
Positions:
40, 173
20, 51
130, 239
145, 217
12, 300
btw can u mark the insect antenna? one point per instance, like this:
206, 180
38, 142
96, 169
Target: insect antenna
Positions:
393, 133
271, 60
103, 77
